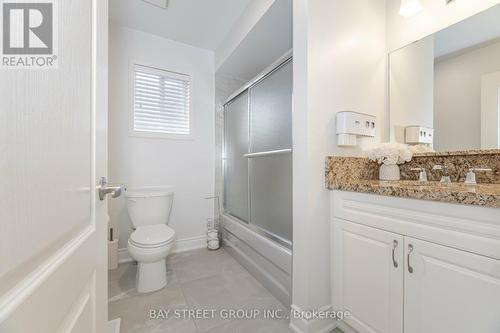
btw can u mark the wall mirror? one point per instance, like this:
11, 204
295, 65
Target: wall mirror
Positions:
445, 89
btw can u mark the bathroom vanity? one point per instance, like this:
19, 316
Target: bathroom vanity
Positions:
422, 255
404, 265
414, 257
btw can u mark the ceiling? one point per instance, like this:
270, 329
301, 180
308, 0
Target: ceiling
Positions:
200, 23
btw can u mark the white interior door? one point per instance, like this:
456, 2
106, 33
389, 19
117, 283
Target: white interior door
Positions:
53, 257
450, 290
368, 277
490, 111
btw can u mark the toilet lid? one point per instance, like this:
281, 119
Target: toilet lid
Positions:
152, 235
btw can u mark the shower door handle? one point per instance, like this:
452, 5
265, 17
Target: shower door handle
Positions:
268, 153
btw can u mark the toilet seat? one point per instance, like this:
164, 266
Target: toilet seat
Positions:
152, 236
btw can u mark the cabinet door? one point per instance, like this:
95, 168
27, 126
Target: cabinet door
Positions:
449, 290
368, 277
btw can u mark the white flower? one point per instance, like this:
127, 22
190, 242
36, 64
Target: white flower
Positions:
389, 153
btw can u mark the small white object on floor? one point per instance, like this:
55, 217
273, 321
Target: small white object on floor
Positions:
213, 234
113, 254
213, 244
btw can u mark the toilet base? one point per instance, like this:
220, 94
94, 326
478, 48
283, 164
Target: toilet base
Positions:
151, 276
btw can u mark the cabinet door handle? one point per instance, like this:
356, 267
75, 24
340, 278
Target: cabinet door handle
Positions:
394, 247
410, 250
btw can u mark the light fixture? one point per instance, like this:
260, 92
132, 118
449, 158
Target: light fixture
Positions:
410, 7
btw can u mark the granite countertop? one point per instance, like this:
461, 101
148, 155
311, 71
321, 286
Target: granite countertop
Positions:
481, 194
358, 174
461, 153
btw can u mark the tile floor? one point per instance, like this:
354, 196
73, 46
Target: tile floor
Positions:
199, 279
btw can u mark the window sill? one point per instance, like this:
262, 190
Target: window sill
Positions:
154, 135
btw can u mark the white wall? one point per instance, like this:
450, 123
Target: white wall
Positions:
411, 88
435, 16
187, 165
457, 97
490, 111
339, 64
252, 14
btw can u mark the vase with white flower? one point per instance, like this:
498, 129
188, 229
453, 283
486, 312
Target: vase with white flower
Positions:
389, 156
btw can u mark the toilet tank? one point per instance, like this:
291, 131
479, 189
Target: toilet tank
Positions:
149, 205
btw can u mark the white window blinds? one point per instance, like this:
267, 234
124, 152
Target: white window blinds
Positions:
161, 102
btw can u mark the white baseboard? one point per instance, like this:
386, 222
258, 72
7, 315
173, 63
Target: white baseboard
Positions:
181, 245
303, 325
191, 243
114, 326
346, 328
123, 256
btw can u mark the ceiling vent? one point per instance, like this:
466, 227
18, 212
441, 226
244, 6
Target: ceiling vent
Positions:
158, 3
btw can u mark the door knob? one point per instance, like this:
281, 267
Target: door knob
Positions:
104, 189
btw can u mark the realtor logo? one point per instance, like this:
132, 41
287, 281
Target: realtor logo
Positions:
28, 34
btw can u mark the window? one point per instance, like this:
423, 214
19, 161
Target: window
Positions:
161, 103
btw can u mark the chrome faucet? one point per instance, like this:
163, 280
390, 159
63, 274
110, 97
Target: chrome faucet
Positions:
445, 178
470, 179
422, 176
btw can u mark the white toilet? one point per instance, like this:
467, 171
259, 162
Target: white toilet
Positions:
149, 210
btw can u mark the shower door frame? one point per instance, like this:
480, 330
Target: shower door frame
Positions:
284, 60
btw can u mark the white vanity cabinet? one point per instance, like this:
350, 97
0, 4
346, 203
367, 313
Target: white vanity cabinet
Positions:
450, 290
403, 265
368, 280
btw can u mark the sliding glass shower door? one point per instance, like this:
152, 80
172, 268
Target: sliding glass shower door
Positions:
270, 157
236, 164
268, 165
